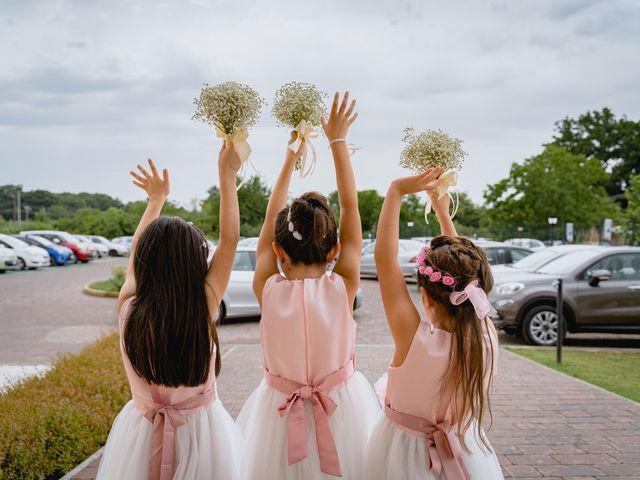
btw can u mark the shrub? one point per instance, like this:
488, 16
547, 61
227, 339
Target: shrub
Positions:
49, 424
114, 284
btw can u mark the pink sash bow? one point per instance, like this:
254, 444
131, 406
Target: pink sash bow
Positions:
323, 407
166, 419
444, 452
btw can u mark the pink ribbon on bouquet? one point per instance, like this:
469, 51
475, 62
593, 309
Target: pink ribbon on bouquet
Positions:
323, 407
305, 131
476, 296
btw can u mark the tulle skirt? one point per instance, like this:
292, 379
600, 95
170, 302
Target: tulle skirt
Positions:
207, 446
265, 450
394, 453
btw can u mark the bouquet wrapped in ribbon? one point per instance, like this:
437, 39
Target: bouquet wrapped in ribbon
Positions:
300, 106
430, 149
231, 108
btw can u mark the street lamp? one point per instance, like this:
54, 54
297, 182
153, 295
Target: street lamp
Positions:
552, 222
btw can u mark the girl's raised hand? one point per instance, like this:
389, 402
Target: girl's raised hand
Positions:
340, 118
228, 158
156, 186
424, 182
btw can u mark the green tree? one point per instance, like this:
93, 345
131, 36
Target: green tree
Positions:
555, 183
632, 195
615, 142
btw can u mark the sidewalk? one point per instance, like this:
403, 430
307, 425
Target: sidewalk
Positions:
546, 425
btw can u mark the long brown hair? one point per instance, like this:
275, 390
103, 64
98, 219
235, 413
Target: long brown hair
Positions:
169, 333
467, 374
314, 221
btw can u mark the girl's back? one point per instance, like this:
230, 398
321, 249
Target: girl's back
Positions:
307, 329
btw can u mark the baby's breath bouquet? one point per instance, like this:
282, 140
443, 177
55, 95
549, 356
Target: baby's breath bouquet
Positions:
300, 106
232, 108
430, 149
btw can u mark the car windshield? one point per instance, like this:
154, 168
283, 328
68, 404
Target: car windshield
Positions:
536, 260
569, 262
42, 241
67, 237
14, 242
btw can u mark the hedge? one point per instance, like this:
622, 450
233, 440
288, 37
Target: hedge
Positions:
49, 424
114, 284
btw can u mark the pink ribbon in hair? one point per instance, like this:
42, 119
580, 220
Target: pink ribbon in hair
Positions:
476, 296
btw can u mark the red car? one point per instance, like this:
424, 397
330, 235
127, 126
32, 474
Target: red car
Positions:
83, 251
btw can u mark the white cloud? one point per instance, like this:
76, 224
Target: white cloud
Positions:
89, 88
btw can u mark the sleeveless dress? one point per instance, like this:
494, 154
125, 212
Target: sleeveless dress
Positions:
416, 438
170, 433
312, 414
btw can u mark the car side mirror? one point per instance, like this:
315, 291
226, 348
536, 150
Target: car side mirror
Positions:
56, 240
599, 276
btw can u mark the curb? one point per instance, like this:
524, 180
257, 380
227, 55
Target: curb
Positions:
87, 290
598, 387
83, 465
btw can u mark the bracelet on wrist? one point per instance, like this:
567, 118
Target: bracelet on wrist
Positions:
336, 140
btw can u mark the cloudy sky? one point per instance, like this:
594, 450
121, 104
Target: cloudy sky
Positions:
89, 88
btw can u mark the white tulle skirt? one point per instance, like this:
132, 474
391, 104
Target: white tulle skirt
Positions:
394, 453
207, 446
265, 451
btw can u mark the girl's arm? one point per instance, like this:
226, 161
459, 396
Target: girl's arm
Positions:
219, 272
441, 207
337, 127
266, 262
402, 316
157, 188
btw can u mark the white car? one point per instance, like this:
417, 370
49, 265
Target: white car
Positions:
407, 252
102, 250
248, 242
239, 299
28, 256
530, 243
113, 249
8, 259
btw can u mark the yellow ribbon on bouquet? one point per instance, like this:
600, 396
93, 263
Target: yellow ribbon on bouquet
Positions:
239, 141
305, 131
447, 180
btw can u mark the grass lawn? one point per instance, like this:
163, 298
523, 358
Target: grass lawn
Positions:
105, 286
618, 372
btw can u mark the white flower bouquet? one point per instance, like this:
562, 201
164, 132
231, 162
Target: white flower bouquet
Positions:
300, 106
430, 149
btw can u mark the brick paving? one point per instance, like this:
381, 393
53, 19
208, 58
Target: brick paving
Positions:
546, 425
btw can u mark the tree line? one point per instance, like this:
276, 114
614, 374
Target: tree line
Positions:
588, 171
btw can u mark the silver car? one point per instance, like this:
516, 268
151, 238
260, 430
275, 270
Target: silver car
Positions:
601, 287
239, 299
407, 252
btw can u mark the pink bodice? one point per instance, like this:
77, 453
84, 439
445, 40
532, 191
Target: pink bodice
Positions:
307, 328
141, 390
415, 387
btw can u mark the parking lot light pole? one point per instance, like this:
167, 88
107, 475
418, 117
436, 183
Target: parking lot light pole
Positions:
560, 321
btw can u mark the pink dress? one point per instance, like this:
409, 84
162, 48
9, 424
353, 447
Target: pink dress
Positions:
313, 407
170, 433
417, 436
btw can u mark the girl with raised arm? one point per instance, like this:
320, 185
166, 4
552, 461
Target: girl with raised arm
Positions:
438, 380
175, 427
311, 415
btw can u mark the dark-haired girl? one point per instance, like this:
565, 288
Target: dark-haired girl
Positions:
175, 426
438, 380
312, 414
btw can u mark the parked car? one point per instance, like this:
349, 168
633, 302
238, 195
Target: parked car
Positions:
601, 287
58, 255
125, 240
536, 260
8, 259
407, 252
422, 239
113, 249
530, 243
101, 249
28, 256
248, 242
239, 299
83, 251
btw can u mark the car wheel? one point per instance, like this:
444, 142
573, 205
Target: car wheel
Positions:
540, 326
113, 253
21, 262
84, 261
72, 258
52, 261
222, 314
